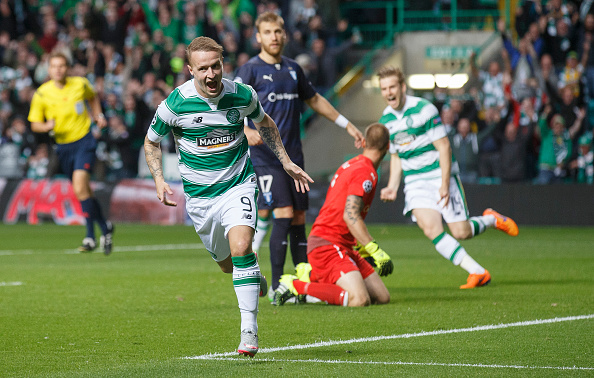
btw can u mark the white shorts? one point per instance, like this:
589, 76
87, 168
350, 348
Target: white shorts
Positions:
424, 194
214, 217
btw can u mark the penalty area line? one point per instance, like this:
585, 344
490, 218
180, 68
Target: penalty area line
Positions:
493, 366
213, 356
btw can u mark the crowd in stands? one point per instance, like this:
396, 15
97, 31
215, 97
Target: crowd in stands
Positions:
133, 52
526, 116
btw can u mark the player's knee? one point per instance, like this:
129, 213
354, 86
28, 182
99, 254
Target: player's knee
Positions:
383, 298
461, 233
241, 247
227, 269
360, 300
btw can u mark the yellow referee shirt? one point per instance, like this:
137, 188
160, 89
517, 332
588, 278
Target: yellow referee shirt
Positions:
64, 105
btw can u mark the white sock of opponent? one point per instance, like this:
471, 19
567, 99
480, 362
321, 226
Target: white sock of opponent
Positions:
449, 248
246, 281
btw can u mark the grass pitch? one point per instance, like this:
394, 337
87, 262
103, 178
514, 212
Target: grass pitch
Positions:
160, 298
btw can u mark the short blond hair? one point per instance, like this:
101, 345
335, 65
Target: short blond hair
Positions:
269, 17
203, 44
387, 71
59, 54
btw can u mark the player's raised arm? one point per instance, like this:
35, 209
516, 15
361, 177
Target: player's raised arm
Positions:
154, 160
321, 106
270, 135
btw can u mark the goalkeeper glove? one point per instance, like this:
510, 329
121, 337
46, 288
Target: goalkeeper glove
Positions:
382, 260
361, 250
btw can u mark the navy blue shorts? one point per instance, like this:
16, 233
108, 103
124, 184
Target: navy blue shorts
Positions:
77, 155
277, 189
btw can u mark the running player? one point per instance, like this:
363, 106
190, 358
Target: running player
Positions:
206, 115
420, 151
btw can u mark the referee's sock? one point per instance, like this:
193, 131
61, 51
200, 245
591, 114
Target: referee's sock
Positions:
88, 212
98, 216
278, 248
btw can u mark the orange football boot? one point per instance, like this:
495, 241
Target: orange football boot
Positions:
503, 223
477, 280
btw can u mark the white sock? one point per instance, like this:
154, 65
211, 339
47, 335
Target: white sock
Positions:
471, 266
261, 231
246, 282
449, 248
481, 223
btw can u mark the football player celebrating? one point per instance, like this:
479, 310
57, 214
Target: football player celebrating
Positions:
421, 152
339, 275
206, 116
282, 88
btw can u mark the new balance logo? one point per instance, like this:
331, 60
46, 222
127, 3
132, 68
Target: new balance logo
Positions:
246, 216
197, 120
267, 77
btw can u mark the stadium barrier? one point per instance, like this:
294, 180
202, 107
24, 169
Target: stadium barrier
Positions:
135, 201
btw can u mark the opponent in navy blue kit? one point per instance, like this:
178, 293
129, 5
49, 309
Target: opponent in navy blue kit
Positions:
283, 89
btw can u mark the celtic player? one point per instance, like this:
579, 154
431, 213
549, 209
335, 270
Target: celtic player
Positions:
206, 116
420, 151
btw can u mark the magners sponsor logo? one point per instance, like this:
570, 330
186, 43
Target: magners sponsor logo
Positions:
217, 138
403, 138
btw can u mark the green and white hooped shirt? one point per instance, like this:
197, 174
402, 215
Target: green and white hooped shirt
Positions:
211, 146
413, 129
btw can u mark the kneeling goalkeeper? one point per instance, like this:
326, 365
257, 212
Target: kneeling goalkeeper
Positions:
339, 275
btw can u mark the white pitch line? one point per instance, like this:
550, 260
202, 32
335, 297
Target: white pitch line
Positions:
16, 283
212, 356
409, 363
131, 248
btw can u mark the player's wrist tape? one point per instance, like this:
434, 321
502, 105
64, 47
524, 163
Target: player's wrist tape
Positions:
341, 121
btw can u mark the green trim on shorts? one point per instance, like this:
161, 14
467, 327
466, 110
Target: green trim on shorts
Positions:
461, 189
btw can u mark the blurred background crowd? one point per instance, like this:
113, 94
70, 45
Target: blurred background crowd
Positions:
526, 116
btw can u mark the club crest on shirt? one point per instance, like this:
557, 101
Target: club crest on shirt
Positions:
233, 116
216, 138
293, 74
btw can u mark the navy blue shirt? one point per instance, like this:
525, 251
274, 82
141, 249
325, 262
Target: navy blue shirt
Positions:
281, 88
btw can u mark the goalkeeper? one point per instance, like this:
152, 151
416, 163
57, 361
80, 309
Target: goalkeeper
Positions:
339, 275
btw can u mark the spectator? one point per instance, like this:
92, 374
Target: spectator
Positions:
585, 161
556, 148
113, 26
573, 70
465, 147
38, 163
489, 148
560, 42
585, 39
515, 147
492, 83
